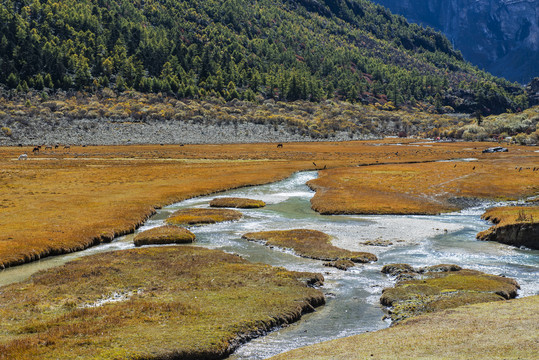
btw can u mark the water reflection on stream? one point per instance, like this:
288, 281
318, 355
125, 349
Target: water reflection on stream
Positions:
352, 296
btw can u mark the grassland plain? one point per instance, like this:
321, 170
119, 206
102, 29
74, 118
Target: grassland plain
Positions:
427, 187
495, 330
64, 200
178, 302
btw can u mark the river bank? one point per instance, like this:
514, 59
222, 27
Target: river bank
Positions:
151, 303
516, 226
496, 330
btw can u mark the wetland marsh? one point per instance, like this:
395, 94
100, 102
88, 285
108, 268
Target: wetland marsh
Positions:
353, 296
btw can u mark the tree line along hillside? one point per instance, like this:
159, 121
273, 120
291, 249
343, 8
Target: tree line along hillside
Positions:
311, 50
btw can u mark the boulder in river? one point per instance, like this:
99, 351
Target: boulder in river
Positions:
341, 264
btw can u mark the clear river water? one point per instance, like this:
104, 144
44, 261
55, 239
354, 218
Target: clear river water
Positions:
352, 296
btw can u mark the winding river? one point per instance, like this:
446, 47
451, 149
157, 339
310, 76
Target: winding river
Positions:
352, 296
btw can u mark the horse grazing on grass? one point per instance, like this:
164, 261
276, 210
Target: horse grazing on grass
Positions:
23, 157
36, 149
279, 145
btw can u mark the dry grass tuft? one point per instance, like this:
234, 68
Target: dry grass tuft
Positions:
309, 243
507, 215
341, 264
152, 303
202, 216
235, 202
164, 235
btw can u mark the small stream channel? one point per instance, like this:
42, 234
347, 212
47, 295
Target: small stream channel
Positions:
352, 296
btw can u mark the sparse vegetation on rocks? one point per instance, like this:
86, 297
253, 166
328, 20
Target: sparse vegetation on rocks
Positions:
137, 118
441, 287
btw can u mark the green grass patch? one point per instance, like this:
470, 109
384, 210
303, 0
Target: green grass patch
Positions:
151, 303
441, 287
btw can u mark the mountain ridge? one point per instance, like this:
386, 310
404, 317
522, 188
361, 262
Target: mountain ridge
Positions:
286, 50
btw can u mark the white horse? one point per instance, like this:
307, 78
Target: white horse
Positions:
23, 157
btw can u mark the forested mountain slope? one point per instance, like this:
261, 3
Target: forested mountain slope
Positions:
305, 49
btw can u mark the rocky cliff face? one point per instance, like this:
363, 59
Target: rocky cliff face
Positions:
500, 36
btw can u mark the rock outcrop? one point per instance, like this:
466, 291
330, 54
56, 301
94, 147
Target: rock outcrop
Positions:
521, 234
533, 91
500, 36
514, 225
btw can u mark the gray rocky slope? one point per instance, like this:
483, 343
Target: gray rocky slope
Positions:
91, 132
500, 36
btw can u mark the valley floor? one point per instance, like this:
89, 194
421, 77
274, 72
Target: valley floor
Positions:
67, 199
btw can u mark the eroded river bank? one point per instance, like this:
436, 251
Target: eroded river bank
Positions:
352, 296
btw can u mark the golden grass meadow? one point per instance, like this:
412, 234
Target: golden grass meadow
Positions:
64, 200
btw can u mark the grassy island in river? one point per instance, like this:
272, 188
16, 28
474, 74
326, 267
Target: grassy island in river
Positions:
309, 243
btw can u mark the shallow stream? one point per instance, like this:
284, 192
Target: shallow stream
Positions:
352, 296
